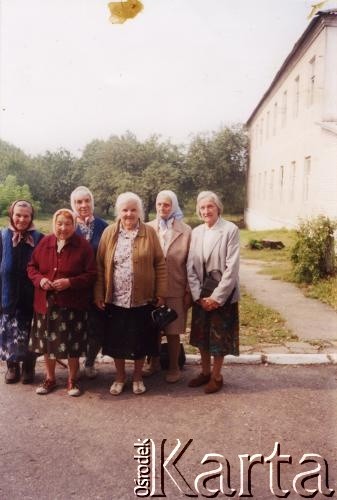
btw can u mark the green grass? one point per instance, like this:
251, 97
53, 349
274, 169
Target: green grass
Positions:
260, 324
266, 254
277, 264
324, 290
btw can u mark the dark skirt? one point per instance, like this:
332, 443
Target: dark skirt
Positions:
14, 336
130, 333
60, 333
216, 332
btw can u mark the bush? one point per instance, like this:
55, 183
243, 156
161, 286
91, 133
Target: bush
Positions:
313, 255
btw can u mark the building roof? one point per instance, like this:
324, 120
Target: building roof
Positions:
320, 18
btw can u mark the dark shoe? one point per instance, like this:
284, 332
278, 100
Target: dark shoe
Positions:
201, 379
46, 387
13, 372
213, 385
28, 372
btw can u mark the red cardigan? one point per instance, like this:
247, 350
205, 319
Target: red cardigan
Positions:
76, 261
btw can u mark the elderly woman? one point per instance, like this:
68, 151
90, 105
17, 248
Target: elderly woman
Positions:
91, 228
174, 236
62, 269
131, 278
214, 257
17, 243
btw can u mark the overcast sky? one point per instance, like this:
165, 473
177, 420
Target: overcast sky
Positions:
69, 76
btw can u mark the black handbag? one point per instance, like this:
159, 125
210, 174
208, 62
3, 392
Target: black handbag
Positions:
163, 316
211, 281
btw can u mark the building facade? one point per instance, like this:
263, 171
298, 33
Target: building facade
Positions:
292, 170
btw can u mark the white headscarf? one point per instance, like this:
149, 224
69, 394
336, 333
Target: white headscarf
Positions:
175, 213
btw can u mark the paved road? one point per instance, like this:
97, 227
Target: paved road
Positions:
307, 318
55, 447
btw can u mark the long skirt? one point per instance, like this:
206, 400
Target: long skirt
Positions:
130, 333
216, 332
60, 333
14, 336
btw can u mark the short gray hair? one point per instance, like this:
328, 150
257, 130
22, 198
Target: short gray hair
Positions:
79, 191
125, 198
209, 195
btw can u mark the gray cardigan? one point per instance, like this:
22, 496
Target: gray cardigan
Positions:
224, 256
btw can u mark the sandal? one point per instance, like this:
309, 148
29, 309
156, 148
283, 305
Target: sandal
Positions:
117, 388
138, 387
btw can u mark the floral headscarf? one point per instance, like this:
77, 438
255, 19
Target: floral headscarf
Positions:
17, 234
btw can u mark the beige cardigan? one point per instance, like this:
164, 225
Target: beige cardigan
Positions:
149, 270
176, 257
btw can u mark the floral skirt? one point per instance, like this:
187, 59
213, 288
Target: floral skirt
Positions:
60, 333
216, 332
130, 333
14, 336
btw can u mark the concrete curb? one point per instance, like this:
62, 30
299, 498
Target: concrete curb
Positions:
273, 359
254, 359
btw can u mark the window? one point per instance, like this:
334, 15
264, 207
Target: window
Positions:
297, 96
267, 124
281, 181
259, 186
312, 77
306, 178
264, 185
292, 181
275, 118
271, 184
284, 108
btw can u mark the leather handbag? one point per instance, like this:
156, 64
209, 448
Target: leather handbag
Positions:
163, 316
211, 281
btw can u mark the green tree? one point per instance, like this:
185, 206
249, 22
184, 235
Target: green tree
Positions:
53, 173
218, 162
10, 191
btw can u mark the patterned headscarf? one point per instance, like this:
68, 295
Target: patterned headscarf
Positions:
175, 212
17, 234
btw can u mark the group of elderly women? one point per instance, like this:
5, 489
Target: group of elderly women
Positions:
89, 286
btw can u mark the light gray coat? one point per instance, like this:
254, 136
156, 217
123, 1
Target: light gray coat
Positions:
224, 256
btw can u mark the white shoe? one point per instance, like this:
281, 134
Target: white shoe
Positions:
138, 387
73, 389
117, 388
90, 372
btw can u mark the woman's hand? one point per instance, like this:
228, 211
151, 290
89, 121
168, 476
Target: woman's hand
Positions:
100, 304
160, 301
209, 304
61, 284
46, 284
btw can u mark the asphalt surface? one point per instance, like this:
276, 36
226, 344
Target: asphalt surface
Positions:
57, 447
